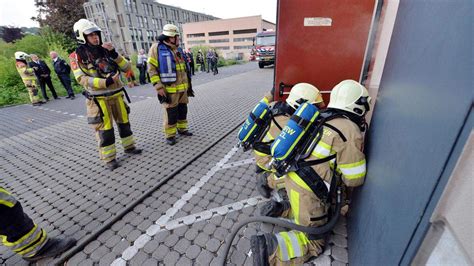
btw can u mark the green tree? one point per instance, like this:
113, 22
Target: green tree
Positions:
60, 15
11, 34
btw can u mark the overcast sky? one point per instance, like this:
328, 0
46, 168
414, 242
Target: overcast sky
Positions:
10, 15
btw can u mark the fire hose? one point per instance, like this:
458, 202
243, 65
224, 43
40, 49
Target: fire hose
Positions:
320, 231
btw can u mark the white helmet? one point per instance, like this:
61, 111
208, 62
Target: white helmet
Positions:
84, 27
349, 95
303, 92
21, 55
170, 30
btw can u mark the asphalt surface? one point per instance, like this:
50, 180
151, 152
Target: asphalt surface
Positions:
50, 162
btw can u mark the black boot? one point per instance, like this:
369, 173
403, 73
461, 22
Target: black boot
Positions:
185, 133
274, 208
133, 150
171, 141
262, 186
263, 246
112, 165
52, 248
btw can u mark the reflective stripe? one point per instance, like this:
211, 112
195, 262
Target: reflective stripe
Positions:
108, 151
321, 150
96, 82
6, 198
182, 124
153, 61
122, 63
170, 131
282, 248
123, 110
105, 111
353, 170
128, 141
294, 176
289, 247
36, 245
155, 79
180, 87
261, 154
295, 205
265, 100
296, 246
268, 137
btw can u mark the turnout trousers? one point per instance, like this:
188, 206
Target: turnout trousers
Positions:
294, 247
17, 230
175, 114
101, 112
33, 93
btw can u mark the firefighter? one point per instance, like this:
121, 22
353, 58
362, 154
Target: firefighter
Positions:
342, 138
172, 81
266, 179
21, 235
97, 68
27, 74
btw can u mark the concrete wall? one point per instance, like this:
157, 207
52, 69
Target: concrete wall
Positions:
417, 132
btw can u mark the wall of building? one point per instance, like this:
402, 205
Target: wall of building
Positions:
232, 37
422, 120
135, 24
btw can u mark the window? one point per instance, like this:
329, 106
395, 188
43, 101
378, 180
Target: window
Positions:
195, 35
196, 42
241, 47
218, 33
120, 20
145, 20
245, 31
247, 39
132, 34
223, 48
129, 18
218, 40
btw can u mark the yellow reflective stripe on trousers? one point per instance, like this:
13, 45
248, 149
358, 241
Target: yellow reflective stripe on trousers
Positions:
353, 170
6, 198
170, 131
35, 243
105, 111
295, 205
123, 110
182, 124
282, 248
128, 141
108, 151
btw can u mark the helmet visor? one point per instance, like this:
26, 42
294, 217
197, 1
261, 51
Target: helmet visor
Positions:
91, 30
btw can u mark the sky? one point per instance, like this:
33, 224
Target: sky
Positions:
9, 14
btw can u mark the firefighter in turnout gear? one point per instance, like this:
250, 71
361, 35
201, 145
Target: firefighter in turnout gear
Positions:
172, 81
282, 111
21, 235
309, 188
28, 76
97, 66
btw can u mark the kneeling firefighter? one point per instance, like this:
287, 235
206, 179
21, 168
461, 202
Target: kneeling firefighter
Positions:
171, 78
281, 113
329, 159
28, 76
97, 68
20, 234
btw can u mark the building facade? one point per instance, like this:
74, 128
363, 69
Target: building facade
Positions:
234, 38
135, 24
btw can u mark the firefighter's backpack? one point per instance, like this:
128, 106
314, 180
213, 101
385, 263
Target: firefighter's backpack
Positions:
294, 131
255, 125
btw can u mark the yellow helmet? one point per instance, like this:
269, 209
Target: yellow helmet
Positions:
303, 92
21, 55
170, 30
349, 95
84, 27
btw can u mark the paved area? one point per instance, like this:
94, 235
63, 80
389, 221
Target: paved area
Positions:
50, 164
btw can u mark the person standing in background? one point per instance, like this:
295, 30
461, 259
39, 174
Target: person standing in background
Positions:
63, 70
141, 65
43, 73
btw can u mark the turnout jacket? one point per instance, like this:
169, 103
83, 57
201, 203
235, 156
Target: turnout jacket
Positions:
89, 78
27, 74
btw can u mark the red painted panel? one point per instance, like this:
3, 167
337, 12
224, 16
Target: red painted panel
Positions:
321, 55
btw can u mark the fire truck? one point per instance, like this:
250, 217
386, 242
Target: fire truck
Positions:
265, 48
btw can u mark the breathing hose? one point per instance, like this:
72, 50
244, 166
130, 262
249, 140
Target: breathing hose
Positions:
318, 231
